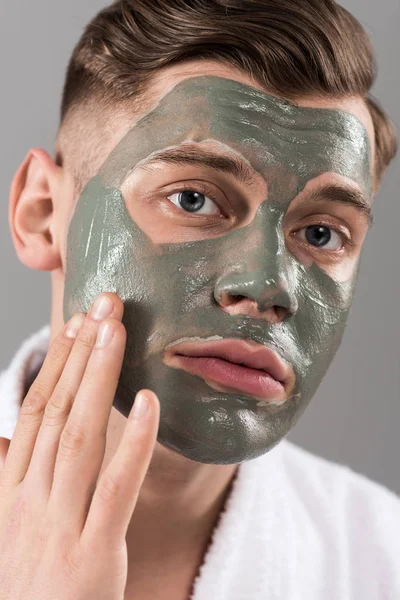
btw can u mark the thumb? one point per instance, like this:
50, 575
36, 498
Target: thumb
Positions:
4, 445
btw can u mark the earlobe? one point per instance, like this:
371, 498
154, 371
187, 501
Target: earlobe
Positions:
31, 211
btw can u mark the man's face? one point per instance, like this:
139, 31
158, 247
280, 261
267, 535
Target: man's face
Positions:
229, 222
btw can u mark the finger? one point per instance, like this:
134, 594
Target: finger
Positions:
41, 469
118, 487
31, 412
83, 442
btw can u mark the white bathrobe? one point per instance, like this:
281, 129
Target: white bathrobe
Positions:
295, 526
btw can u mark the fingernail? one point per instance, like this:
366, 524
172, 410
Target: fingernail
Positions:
104, 335
140, 406
102, 308
73, 326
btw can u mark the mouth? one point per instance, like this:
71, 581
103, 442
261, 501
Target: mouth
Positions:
235, 366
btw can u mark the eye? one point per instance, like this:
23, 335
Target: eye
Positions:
194, 202
321, 236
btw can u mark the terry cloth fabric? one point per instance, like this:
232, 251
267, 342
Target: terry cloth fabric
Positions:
295, 526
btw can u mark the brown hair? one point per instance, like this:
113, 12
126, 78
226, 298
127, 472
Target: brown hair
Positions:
293, 48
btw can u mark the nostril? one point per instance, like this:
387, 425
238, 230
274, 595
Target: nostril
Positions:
227, 299
281, 313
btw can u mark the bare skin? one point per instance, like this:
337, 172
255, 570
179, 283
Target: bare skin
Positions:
180, 500
56, 513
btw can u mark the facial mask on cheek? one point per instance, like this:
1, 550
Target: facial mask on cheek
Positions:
170, 291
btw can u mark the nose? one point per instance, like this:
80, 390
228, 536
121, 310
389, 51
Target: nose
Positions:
252, 294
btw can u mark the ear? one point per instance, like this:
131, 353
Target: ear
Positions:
4, 445
31, 211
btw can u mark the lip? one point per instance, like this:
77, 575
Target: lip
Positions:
233, 365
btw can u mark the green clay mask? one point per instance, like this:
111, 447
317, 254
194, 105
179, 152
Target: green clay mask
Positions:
170, 291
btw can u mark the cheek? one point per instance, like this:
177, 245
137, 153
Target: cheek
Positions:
65, 206
313, 335
186, 278
324, 304
64, 220
343, 271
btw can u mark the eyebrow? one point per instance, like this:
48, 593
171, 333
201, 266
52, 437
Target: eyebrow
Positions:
343, 195
206, 158
245, 174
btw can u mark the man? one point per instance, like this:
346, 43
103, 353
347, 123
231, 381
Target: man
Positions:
212, 188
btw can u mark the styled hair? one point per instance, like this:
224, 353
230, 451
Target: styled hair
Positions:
293, 48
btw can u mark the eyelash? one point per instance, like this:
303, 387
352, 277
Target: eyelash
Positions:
197, 187
347, 242
207, 191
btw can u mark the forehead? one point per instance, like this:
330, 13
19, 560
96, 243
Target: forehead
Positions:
271, 134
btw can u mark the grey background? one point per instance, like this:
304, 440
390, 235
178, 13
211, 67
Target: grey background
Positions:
355, 416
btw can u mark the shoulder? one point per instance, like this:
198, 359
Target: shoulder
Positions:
334, 528
353, 512
336, 482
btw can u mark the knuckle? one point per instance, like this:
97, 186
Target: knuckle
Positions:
72, 441
87, 337
58, 350
75, 564
34, 403
44, 533
18, 515
59, 406
109, 488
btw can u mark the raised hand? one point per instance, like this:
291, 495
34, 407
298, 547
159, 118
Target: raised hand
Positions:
62, 525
